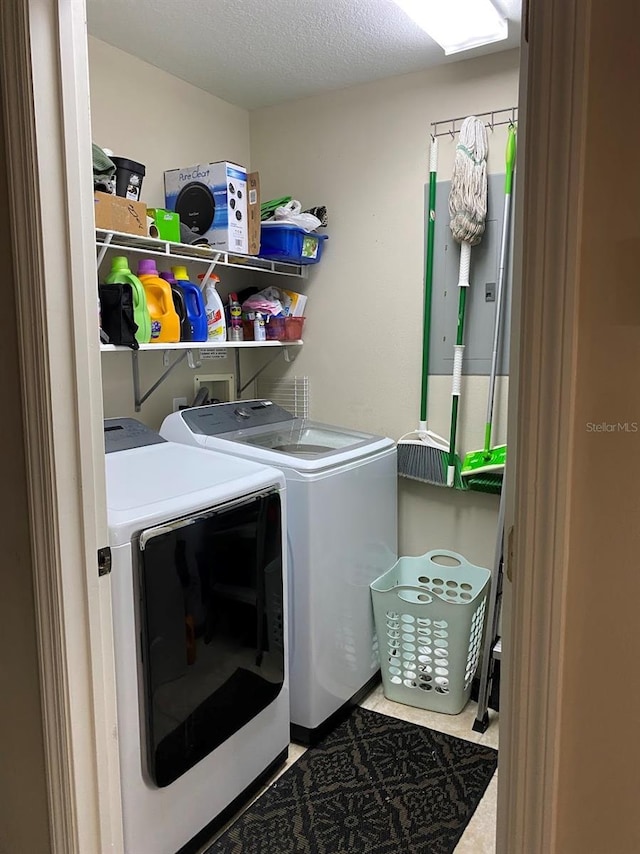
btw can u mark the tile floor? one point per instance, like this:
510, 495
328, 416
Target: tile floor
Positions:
479, 836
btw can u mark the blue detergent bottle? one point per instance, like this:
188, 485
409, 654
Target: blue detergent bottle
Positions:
194, 304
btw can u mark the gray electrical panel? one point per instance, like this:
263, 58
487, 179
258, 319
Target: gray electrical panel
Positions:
481, 306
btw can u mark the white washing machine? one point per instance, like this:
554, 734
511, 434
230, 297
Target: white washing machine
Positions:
342, 532
199, 590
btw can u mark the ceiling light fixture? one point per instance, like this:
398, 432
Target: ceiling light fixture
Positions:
457, 25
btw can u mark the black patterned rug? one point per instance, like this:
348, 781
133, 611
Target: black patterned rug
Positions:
375, 785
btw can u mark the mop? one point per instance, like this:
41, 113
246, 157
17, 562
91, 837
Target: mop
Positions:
483, 470
422, 455
468, 212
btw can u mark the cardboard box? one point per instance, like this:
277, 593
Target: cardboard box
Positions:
167, 224
253, 211
113, 213
211, 199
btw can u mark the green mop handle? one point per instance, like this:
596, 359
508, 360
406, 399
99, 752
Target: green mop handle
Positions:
504, 246
428, 282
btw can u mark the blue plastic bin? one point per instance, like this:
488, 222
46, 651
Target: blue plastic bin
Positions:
291, 244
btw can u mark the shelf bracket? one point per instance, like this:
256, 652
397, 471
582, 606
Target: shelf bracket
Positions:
211, 267
138, 397
103, 249
240, 387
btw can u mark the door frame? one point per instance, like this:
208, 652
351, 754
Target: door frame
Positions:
45, 78
44, 75
551, 136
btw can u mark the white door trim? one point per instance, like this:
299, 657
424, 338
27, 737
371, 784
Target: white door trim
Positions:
44, 72
543, 347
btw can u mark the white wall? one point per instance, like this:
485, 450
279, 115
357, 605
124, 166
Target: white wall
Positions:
363, 152
141, 112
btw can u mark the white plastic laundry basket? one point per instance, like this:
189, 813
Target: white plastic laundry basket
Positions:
429, 614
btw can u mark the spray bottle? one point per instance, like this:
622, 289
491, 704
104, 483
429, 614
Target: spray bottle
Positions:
235, 319
214, 309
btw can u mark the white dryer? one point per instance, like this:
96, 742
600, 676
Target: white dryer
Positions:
199, 591
342, 532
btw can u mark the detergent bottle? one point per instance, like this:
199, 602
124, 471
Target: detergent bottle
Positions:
194, 304
121, 275
214, 308
179, 305
165, 323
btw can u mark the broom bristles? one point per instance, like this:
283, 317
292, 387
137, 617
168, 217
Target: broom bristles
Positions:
418, 461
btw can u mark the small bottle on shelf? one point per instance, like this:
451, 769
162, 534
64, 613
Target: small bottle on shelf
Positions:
259, 331
235, 319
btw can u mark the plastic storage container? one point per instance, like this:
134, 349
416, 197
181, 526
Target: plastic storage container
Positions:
429, 620
290, 243
276, 328
129, 175
293, 328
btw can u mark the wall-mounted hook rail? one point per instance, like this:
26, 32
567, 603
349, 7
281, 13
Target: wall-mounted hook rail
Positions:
492, 119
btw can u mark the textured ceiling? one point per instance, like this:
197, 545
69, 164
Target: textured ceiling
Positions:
256, 53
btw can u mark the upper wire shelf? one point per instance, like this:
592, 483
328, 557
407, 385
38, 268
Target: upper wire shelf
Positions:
493, 119
107, 239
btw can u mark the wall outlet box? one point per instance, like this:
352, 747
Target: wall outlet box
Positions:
221, 386
179, 403
113, 213
211, 199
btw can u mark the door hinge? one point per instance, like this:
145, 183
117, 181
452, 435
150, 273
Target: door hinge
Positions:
104, 561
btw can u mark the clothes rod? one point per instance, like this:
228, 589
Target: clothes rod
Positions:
493, 119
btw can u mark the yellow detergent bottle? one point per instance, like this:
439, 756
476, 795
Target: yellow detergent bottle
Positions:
165, 323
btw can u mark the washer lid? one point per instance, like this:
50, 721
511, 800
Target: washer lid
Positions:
274, 436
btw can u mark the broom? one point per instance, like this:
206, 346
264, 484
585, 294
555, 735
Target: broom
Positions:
468, 212
422, 455
483, 470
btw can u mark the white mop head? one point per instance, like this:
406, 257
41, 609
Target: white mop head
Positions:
468, 195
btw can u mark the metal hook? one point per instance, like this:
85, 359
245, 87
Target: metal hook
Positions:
193, 362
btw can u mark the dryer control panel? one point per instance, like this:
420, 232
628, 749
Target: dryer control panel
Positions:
122, 434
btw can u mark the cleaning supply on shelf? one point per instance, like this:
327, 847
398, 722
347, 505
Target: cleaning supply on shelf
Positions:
165, 323
194, 304
259, 331
214, 309
423, 455
468, 212
179, 304
235, 319
483, 470
121, 275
